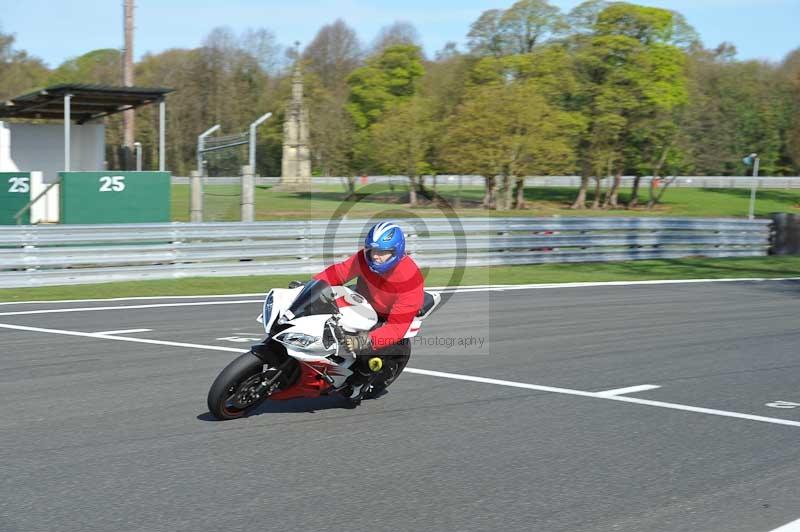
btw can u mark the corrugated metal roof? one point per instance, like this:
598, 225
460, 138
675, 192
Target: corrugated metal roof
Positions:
88, 102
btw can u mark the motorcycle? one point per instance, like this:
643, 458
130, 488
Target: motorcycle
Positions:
303, 354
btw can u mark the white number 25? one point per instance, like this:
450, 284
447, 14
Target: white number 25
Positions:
19, 184
114, 183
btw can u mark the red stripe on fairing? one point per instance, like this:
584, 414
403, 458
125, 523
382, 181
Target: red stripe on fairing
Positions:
342, 302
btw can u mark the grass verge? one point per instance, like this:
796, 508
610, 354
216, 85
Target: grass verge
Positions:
222, 203
694, 268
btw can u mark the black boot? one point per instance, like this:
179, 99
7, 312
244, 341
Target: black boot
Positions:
364, 373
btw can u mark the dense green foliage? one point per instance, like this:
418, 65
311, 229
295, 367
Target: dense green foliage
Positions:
607, 89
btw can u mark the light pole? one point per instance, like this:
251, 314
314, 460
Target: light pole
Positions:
252, 151
753, 160
201, 145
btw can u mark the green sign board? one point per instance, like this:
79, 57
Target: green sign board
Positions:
15, 193
115, 197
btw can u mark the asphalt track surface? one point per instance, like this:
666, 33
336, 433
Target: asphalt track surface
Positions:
102, 434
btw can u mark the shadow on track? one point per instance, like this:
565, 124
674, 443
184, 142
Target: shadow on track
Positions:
296, 406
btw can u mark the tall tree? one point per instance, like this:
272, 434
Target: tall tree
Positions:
401, 142
791, 71
98, 66
630, 71
516, 30
530, 22
331, 129
333, 53
583, 17
485, 37
387, 79
223, 82
399, 32
509, 130
19, 72
737, 108
101, 67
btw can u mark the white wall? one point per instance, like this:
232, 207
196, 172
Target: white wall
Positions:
40, 147
47, 208
5, 150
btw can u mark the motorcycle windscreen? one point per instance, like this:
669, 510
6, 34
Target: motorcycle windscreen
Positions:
316, 298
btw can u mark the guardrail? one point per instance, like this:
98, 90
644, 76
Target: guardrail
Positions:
538, 181
79, 254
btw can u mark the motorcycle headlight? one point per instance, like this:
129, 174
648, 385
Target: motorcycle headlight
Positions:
298, 339
267, 308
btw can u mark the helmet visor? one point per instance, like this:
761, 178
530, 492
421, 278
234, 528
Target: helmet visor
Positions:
380, 256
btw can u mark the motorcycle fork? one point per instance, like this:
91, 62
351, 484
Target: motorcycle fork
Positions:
270, 385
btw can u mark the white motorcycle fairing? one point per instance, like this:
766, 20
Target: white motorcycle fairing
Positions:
304, 338
357, 314
315, 354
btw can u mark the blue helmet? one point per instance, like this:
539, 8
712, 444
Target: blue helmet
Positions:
385, 236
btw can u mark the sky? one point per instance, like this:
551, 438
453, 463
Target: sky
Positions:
56, 31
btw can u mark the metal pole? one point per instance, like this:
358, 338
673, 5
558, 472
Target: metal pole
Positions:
751, 212
196, 198
128, 117
247, 193
253, 126
67, 130
138, 147
162, 136
201, 145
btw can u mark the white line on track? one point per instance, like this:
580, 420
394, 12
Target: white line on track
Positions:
508, 287
125, 331
567, 391
139, 298
469, 288
794, 526
630, 389
120, 338
128, 307
454, 376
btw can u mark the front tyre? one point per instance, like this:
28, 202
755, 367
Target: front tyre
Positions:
238, 388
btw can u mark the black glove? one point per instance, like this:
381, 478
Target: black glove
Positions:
358, 344
296, 284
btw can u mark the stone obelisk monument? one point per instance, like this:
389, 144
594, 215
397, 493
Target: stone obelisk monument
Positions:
296, 163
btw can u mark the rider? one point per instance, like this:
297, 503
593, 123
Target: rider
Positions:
393, 284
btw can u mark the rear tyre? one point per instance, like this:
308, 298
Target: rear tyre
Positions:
237, 388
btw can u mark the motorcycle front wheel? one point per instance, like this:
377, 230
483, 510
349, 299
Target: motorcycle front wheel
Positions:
238, 388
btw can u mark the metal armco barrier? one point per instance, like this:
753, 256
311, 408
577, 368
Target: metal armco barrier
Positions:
786, 234
80, 254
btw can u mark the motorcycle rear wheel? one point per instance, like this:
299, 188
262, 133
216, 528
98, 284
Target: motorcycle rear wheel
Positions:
237, 388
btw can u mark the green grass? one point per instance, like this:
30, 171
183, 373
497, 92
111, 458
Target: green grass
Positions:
222, 203
544, 273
